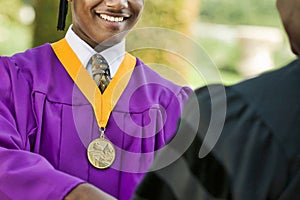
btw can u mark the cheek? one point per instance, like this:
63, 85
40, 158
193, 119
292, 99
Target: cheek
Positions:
137, 5
292, 23
285, 8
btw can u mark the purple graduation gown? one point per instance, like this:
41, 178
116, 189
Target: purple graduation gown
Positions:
46, 124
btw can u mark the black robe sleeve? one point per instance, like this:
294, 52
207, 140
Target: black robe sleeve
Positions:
248, 161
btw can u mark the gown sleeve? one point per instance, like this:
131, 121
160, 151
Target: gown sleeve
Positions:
174, 111
24, 174
247, 162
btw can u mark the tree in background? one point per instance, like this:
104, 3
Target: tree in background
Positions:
176, 15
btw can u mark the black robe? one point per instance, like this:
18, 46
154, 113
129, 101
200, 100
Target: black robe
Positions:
257, 155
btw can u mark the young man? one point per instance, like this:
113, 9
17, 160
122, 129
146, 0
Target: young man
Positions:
257, 153
63, 137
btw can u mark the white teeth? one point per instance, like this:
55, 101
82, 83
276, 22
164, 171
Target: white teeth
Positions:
111, 18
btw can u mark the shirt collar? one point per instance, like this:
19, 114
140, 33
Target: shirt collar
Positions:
114, 55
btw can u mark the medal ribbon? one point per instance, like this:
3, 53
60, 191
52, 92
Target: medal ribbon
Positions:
102, 104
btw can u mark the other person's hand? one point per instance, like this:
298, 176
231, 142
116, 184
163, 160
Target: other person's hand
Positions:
87, 191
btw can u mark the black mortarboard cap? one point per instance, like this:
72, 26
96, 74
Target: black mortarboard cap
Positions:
62, 14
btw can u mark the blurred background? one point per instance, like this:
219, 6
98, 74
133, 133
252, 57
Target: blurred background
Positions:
241, 38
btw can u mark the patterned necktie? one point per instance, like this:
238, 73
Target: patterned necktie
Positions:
100, 71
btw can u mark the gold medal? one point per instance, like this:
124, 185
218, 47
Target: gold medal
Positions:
101, 152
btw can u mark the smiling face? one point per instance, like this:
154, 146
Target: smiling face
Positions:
99, 21
289, 11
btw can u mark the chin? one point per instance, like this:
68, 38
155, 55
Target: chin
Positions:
114, 39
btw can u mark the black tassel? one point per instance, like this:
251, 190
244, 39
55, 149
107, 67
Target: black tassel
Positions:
62, 14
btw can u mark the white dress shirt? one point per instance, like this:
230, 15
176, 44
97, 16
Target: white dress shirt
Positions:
114, 55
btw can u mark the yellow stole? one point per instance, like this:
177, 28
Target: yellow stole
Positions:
104, 103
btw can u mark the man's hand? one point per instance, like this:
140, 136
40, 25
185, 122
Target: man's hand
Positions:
87, 191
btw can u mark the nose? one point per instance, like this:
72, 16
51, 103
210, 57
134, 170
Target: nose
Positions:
117, 4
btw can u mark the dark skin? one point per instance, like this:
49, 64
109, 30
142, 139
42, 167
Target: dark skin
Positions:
289, 11
87, 192
91, 20
101, 24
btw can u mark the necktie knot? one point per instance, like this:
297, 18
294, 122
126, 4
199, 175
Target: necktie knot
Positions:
100, 71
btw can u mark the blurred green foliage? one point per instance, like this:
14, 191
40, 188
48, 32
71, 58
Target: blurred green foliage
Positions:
176, 15
226, 54
14, 36
235, 12
8, 11
46, 22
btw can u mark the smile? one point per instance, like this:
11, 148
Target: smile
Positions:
111, 18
